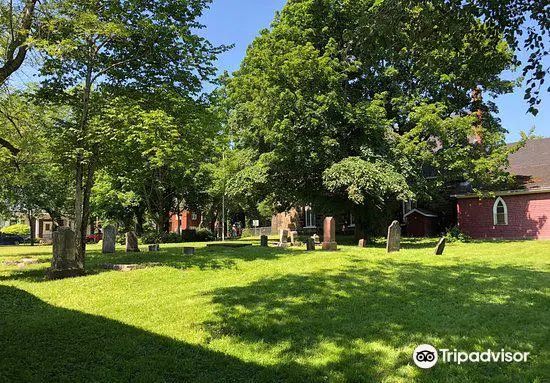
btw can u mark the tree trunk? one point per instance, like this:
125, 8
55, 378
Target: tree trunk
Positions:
83, 187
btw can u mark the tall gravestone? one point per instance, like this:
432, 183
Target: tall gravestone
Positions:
64, 263
109, 240
132, 242
329, 243
394, 237
440, 248
263, 241
362, 243
294, 238
283, 238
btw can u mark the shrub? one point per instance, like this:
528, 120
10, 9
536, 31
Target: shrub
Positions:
204, 235
246, 233
19, 229
172, 238
454, 234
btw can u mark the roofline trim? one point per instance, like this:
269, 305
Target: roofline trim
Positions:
420, 212
505, 193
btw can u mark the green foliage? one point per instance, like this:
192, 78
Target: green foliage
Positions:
342, 104
18, 229
454, 234
361, 179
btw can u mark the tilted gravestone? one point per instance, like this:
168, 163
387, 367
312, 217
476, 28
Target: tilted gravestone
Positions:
310, 244
440, 248
283, 238
362, 243
64, 263
394, 237
329, 243
132, 242
109, 240
263, 241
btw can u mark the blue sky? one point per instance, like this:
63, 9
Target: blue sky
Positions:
239, 21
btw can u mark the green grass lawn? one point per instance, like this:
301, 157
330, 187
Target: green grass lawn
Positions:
263, 315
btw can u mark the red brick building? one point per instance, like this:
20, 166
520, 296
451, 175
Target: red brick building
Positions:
189, 220
513, 214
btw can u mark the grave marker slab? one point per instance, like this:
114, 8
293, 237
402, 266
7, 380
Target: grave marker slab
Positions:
132, 242
109, 240
329, 243
440, 248
394, 237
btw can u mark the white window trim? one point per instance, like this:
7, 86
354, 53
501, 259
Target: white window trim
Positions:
495, 208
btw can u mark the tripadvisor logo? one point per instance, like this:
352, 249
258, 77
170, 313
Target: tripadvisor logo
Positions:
426, 356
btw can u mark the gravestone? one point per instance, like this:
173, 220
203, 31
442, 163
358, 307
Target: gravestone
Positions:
316, 239
109, 240
64, 263
310, 244
154, 247
394, 237
362, 243
189, 251
440, 248
293, 238
283, 238
132, 242
329, 243
263, 241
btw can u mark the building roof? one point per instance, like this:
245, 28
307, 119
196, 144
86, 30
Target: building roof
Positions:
531, 164
531, 167
423, 212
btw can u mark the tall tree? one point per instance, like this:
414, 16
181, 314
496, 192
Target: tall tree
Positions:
344, 89
117, 45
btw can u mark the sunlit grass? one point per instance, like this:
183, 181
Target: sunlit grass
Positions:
255, 314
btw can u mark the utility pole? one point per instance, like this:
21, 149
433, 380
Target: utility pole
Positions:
223, 197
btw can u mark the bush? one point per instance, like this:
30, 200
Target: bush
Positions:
204, 235
19, 229
172, 238
454, 234
246, 233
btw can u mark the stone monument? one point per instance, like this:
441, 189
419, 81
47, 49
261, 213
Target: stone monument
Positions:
264, 241
310, 244
132, 242
440, 248
64, 263
329, 243
109, 240
283, 238
394, 237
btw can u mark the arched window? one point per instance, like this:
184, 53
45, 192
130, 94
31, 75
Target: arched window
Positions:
500, 212
309, 217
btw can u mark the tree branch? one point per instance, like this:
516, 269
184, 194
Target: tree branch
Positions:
18, 44
13, 150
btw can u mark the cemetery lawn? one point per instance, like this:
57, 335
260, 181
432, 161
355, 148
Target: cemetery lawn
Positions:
265, 315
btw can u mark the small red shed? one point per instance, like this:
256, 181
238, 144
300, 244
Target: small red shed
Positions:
421, 223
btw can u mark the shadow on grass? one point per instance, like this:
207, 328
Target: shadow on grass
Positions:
204, 259
369, 316
44, 343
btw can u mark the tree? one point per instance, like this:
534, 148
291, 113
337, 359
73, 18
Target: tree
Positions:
337, 87
118, 46
31, 182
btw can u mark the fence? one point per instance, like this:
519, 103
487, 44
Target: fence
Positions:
257, 231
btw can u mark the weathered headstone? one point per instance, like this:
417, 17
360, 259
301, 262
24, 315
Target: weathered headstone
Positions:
440, 248
132, 242
263, 241
310, 244
316, 239
189, 250
294, 238
109, 240
154, 247
362, 243
283, 238
64, 263
394, 237
329, 243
